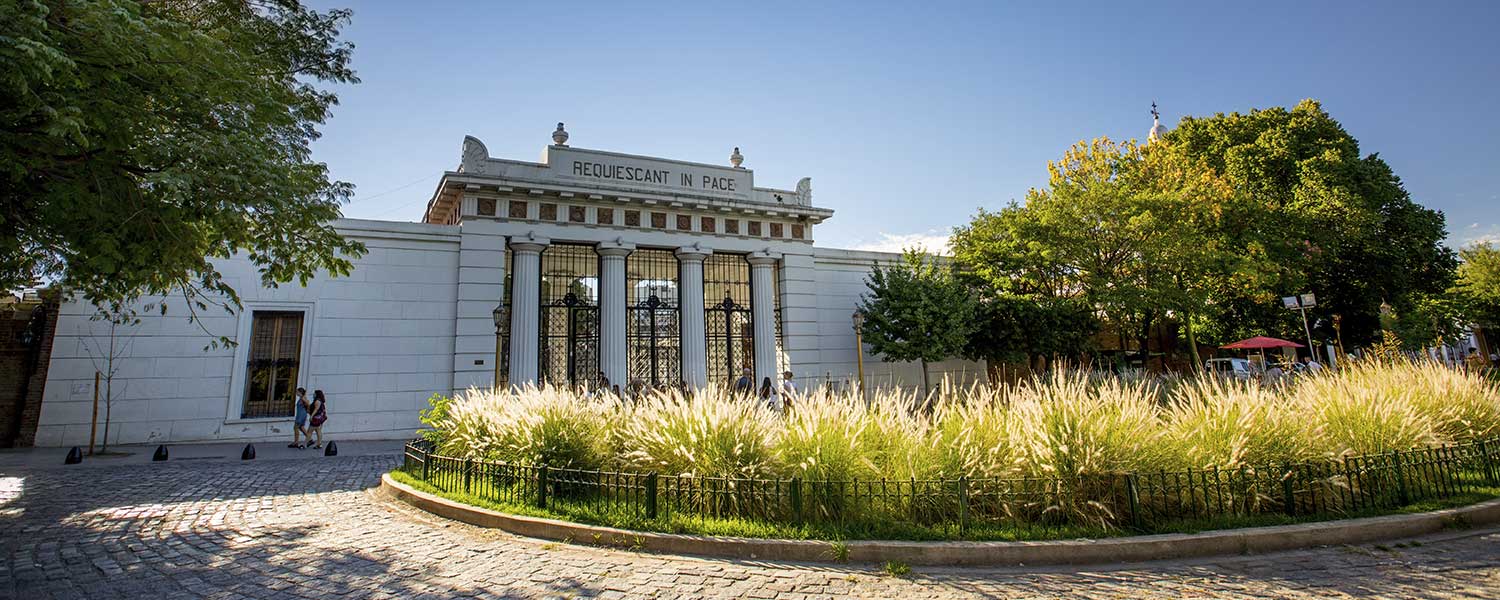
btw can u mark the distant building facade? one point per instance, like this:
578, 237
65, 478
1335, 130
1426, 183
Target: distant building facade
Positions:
649, 271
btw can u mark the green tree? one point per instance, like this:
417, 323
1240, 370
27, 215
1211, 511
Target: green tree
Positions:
1477, 290
140, 140
916, 310
1429, 321
1019, 329
1332, 221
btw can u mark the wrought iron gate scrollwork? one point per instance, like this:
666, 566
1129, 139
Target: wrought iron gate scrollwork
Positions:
655, 355
730, 331
569, 320
653, 319
570, 342
728, 322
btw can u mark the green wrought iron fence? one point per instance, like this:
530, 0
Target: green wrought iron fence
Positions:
1140, 501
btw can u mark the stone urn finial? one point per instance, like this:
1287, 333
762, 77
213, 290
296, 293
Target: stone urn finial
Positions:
736, 158
560, 137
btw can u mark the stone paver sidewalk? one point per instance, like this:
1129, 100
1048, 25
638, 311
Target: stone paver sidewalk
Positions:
307, 528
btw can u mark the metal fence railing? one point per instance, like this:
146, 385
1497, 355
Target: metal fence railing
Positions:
1139, 501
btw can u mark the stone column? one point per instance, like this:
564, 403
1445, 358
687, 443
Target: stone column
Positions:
525, 308
612, 299
763, 313
690, 309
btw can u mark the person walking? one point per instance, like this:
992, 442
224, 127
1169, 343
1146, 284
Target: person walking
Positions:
768, 394
1272, 376
788, 390
318, 412
745, 385
299, 421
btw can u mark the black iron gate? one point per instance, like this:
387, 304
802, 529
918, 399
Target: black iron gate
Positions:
730, 333
569, 320
728, 326
652, 319
655, 353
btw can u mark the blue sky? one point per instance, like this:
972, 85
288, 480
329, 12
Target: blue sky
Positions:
907, 116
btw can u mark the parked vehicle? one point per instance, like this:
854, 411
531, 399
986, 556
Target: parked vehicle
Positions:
1237, 368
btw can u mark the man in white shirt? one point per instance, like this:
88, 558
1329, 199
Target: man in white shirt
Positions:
1311, 365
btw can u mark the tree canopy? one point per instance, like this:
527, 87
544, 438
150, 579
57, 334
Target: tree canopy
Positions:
1477, 289
1334, 222
140, 140
1211, 224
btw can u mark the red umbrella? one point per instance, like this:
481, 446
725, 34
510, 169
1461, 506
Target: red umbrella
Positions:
1261, 342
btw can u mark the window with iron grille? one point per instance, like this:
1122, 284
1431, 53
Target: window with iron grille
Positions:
728, 327
275, 360
652, 318
569, 320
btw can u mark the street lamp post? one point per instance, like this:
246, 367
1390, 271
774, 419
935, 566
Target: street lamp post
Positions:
502, 321
859, 348
1301, 303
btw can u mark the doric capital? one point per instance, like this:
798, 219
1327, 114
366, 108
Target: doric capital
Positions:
529, 243
615, 249
694, 253
763, 258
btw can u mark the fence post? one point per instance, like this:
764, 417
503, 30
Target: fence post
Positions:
541, 486
651, 495
963, 504
468, 473
1351, 485
1487, 464
794, 490
426, 465
1288, 497
1401, 492
1133, 496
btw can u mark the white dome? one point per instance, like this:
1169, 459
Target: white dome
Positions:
1157, 130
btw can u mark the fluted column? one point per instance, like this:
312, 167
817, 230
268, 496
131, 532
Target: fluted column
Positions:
612, 299
525, 308
763, 313
690, 309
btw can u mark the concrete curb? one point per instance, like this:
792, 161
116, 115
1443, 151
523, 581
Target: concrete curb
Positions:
1253, 540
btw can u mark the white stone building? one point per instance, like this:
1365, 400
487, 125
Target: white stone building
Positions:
652, 271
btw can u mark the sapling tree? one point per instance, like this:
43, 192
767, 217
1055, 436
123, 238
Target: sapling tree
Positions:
108, 349
916, 310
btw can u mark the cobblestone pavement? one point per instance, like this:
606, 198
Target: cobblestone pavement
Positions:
309, 529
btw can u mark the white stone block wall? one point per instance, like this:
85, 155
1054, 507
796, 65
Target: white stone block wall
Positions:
378, 342
481, 279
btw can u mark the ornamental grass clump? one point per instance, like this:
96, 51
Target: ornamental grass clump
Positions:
1462, 405
1223, 423
1363, 409
711, 433
897, 437
1081, 436
824, 437
1066, 426
974, 436
530, 426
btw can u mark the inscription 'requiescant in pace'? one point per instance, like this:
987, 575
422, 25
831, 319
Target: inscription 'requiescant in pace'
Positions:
583, 168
